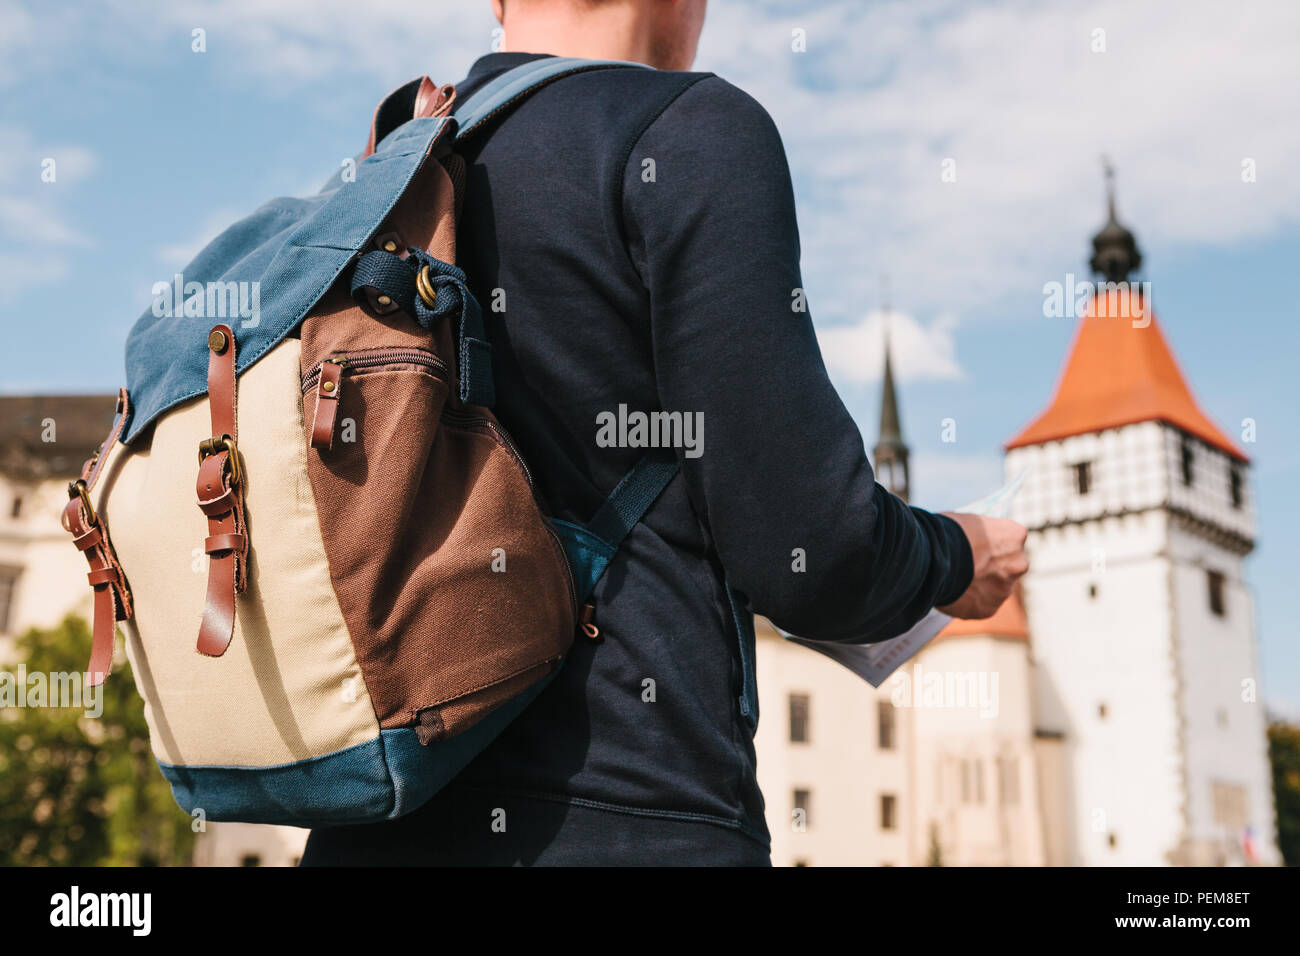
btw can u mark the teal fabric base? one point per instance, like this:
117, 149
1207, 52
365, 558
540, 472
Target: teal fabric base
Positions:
381, 779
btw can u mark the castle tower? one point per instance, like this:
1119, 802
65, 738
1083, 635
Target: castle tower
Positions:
1140, 514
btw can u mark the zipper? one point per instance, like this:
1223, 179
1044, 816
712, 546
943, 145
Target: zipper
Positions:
463, 419
470, 420
370, 358
326, 376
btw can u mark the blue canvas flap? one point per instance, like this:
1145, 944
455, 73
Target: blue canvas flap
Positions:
290, 251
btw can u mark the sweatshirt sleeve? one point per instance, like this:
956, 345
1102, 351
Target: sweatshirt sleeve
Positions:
783, 483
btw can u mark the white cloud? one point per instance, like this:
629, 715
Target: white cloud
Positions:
19, 271
948, 480
855, 353
27, 221
299, 43
15, 36
22, 159
176, 254
32, 224
1185, 92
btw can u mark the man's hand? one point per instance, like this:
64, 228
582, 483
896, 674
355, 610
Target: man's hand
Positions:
998, 547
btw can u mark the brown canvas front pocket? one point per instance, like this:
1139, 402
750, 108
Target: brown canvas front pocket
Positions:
455, 591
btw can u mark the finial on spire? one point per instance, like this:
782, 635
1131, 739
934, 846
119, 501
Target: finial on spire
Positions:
1115, 253
1108, 170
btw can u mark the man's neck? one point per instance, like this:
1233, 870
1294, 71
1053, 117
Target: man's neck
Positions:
603, 32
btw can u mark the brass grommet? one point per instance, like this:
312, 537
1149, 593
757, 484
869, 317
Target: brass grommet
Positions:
390, 246
424, 286
327, 387
385, 301
217, 341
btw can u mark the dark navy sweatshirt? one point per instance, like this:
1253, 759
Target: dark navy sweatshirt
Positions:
632, 237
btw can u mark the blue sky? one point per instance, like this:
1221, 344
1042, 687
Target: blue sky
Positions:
158, 147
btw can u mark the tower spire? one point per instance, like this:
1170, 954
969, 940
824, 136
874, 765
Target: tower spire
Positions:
891, 452
890, 428
1115, 253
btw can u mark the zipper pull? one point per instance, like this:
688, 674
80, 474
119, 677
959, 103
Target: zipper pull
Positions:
584, 621
327, 403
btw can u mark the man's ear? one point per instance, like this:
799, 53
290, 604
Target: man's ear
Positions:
499, 11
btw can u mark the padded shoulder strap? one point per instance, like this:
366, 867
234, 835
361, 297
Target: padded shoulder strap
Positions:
511, 87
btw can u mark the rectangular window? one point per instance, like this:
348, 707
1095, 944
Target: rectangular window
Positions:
1187, 457
799, 708
888, 811
803, 806
16, 509
886, 725
979, 781
8, 585
1214, 581
1234, 480
1008, 781
1082, 476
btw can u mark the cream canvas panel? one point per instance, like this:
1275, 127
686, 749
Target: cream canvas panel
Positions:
289, 687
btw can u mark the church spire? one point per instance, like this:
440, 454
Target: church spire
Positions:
890, 430
1115, 253
891, 452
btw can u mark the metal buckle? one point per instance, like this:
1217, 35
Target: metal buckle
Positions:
424, 286
77, 489
216, 445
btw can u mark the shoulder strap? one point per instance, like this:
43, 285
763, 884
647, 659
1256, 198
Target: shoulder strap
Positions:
633, 496
507, 90
592, 546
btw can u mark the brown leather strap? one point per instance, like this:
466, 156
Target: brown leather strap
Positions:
220, 491
90, 535
433, 100
327, 405
430, 100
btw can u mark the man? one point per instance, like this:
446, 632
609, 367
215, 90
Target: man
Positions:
639, 227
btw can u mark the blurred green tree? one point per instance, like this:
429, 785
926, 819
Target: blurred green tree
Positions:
78, 790
1284, 754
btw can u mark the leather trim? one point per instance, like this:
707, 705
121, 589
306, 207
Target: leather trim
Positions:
327, 405
90, 535
220, 491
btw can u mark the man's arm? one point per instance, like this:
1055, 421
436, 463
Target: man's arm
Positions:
783, 470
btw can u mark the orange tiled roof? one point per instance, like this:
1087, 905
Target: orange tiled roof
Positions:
1007, 621
1119, 375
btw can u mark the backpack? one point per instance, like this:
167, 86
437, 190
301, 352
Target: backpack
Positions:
361, 591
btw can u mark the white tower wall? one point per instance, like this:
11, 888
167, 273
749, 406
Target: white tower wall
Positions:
1134, 668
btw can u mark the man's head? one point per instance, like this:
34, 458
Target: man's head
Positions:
660, 33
